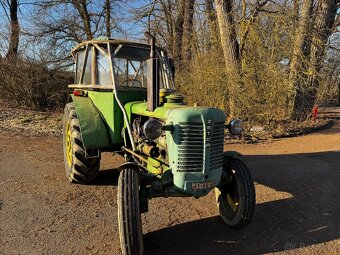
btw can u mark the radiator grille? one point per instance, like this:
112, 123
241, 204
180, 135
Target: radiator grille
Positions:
216, 149
190, 147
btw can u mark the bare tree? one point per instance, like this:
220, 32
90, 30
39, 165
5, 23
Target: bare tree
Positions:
178, 38
81, 7
324, 20
230, 48
247, 23
108, 18
74, 20
168, 33
211, 17
188, 30
58, 24
159, 18
251, 55
296, 9
15, 29
299, 54
309, 51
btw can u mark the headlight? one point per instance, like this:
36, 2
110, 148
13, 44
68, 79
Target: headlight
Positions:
152, 129
235, 127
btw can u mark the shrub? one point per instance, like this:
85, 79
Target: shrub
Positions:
31, 84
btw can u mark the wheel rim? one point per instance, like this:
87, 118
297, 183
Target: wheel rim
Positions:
68, 145
231, 196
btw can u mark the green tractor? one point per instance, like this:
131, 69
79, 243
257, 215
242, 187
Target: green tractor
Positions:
124, 102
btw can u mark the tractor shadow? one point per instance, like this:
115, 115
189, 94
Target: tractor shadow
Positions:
106, 177
308, 215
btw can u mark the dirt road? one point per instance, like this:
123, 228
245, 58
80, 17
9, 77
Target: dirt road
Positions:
297, 184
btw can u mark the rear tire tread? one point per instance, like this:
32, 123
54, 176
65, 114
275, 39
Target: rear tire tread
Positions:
84, 167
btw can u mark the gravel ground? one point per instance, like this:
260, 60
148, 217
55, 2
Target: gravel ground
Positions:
297, 183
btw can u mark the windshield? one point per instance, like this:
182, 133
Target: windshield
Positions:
130, 67
130, 72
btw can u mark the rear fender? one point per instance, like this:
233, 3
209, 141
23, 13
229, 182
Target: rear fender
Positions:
92, 126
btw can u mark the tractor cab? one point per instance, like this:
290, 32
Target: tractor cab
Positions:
112, 73
102, 64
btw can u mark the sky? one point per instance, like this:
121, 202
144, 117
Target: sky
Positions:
129, 27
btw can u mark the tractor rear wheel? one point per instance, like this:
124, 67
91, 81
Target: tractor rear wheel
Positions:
80, 166
129, 216
235, 197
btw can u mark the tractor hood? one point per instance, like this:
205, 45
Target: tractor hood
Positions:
179, 111
195, 144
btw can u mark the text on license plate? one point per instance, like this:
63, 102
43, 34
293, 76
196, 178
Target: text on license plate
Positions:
202, 185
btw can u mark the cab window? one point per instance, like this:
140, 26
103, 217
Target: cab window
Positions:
103, 69
130, 73
80, 63
88, 68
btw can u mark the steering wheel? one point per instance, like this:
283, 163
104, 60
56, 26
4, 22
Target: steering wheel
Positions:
132, 82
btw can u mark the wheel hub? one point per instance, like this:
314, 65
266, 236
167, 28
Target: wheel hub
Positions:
231, 195
68, 145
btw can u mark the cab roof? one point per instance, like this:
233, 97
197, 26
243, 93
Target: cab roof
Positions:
105, 40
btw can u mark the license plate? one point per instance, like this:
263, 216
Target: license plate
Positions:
202, 185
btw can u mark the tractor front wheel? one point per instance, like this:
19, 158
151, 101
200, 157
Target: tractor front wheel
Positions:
129, 216
235, 196
80, 167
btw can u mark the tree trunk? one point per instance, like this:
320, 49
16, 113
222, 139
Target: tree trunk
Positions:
81, 6
179, 32
324, 21
296, 15
187, 31
108, 18
246, 25
297, 85
306, 96
211, 17
230, 48
167, 8
15, 30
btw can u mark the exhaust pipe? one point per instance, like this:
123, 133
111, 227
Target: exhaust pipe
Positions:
153, 75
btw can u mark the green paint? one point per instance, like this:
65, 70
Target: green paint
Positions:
140, 108
180, 116
177, 114
179, 152
156, 166
109, 109
101, 119
93, 127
